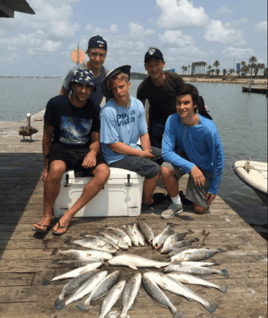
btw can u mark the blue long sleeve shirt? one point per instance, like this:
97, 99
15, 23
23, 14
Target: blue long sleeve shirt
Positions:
201, 144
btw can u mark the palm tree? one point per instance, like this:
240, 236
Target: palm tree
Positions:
224, 71
189, 66
216, 64
231, 71
217, 71
252, 62
209, 68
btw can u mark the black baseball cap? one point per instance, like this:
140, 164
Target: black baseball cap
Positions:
153, 52
97, 42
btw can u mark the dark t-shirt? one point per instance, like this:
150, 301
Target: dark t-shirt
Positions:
72, 125
162, 99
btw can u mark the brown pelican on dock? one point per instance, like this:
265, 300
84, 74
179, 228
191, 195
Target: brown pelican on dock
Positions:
27, 130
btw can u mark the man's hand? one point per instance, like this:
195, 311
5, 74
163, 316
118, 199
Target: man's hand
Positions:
147, 154
199, 179
89, 160
210, 197
44, 174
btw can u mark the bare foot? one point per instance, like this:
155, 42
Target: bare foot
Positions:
43, 224
62, 225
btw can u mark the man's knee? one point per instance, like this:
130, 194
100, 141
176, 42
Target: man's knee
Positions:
199, 209
57, 169
102, 171
167, 172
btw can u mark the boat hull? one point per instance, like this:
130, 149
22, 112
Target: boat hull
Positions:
253, 174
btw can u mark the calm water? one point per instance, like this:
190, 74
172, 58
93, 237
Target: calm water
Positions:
241, 119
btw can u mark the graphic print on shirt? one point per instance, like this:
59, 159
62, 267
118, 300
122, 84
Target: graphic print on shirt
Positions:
126, 118
75, 131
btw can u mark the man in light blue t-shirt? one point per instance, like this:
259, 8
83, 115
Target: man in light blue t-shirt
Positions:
191, 145
122, 124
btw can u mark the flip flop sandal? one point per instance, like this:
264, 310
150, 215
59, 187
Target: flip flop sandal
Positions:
40, 231
60, 227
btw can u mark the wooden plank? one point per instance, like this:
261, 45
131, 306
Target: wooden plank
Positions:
16, 279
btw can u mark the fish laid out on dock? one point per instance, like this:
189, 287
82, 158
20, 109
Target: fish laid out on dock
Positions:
93, 283
135, 261
253, 174
74, 273
176, 287
159, 296
72, 285
195, 280
100, 290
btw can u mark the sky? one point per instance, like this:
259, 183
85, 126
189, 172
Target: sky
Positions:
185, 31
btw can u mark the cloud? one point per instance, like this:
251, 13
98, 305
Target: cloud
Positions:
223, 11
261, 27
219, 33
180, 14
138, 32
175, 38
238, 52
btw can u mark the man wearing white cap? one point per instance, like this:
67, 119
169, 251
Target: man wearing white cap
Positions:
122, 124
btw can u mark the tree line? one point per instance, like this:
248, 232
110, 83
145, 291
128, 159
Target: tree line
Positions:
251, 68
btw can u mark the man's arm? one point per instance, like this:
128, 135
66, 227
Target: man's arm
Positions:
145, 142
47, 142
124, 149
90, 159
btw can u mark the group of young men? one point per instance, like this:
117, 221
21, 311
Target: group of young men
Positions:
178, 136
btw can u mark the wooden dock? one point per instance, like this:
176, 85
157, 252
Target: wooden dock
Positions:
26, 257
255, 89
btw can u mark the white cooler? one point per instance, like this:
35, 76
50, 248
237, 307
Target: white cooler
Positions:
121, 195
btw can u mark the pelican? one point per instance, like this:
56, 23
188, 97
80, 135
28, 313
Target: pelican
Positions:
27, 130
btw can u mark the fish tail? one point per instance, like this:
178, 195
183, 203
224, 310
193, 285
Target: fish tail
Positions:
45, 282
83, 307
190, 231
177, 313
211, 308
123, 314
224, 273
58, 304
223, 289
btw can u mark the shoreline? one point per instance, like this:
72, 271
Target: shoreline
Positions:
227, 79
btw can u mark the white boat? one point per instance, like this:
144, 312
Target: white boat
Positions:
253, 174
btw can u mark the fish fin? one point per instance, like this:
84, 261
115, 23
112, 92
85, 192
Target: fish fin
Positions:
216, 263
196, 239
223, 289
177, 313
190, 231
132, 266
58, 304
83, 307
224, 273
220, 250
56, 260
45, 282
211, 308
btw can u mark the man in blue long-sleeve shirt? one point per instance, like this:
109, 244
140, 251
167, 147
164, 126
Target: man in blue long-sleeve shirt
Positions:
191, 145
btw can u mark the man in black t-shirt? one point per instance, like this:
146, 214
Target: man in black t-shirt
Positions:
71, 140
159, 89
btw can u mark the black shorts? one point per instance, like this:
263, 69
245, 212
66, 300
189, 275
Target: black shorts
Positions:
73, 158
